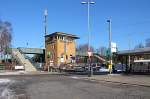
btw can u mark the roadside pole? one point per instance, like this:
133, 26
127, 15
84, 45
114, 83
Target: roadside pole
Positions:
90, 68
88, 3
110, 40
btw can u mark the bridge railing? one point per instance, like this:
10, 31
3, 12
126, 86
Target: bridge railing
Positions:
31, 50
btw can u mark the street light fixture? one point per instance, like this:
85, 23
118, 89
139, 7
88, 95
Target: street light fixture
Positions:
89, 31
88, 2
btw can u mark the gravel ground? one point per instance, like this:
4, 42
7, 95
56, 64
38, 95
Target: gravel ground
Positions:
66, 87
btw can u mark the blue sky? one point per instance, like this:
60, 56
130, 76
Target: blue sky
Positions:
129, 17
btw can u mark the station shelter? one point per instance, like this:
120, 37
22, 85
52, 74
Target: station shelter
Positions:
137, 60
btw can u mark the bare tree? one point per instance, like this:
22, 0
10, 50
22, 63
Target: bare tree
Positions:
140, 45
84, 48
102, 51
147, 42
5, 36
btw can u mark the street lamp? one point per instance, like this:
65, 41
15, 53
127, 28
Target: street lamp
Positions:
89, 31
88, 21
110, 40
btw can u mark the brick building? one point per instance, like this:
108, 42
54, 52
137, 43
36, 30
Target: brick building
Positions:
60, 48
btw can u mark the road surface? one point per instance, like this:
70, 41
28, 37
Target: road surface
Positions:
66, 87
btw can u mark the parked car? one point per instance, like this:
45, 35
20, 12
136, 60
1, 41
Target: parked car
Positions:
104, 69
79, 69
119, 68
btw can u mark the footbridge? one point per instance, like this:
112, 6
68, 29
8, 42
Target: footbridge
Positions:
19, 55
96, 55
31, 50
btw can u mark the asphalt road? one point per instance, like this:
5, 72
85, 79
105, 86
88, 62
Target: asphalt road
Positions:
66, 87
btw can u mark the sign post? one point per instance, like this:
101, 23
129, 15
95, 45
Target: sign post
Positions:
90, 69
49, 55
109, 54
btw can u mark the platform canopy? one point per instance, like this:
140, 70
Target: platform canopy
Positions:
135, 51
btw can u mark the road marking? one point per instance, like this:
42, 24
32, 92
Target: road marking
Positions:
74, 77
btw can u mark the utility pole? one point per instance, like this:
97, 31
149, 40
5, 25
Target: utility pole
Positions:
110, 40
89, 35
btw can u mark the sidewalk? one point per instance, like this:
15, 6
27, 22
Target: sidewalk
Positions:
136, 80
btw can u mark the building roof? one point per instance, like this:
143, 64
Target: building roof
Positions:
63, 34
135, 51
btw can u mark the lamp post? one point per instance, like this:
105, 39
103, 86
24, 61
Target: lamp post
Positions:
110, 40
89, 33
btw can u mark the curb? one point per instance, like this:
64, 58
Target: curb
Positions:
116, 82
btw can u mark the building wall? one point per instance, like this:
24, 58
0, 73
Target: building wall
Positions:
59, 53
50, 47
64, 56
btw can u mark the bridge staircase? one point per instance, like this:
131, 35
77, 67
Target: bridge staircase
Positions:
98, 56
23, 60
101, 58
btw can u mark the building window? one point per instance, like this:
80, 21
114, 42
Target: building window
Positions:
61, 37
66, 57
54, 46
55, 37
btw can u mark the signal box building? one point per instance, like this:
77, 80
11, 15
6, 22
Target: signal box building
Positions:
60, 49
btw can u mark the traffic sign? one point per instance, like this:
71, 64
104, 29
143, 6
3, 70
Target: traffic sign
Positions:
89, 53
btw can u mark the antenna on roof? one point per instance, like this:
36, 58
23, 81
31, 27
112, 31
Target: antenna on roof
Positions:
45, 20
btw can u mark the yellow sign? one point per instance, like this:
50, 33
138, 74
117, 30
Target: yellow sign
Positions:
110, 67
